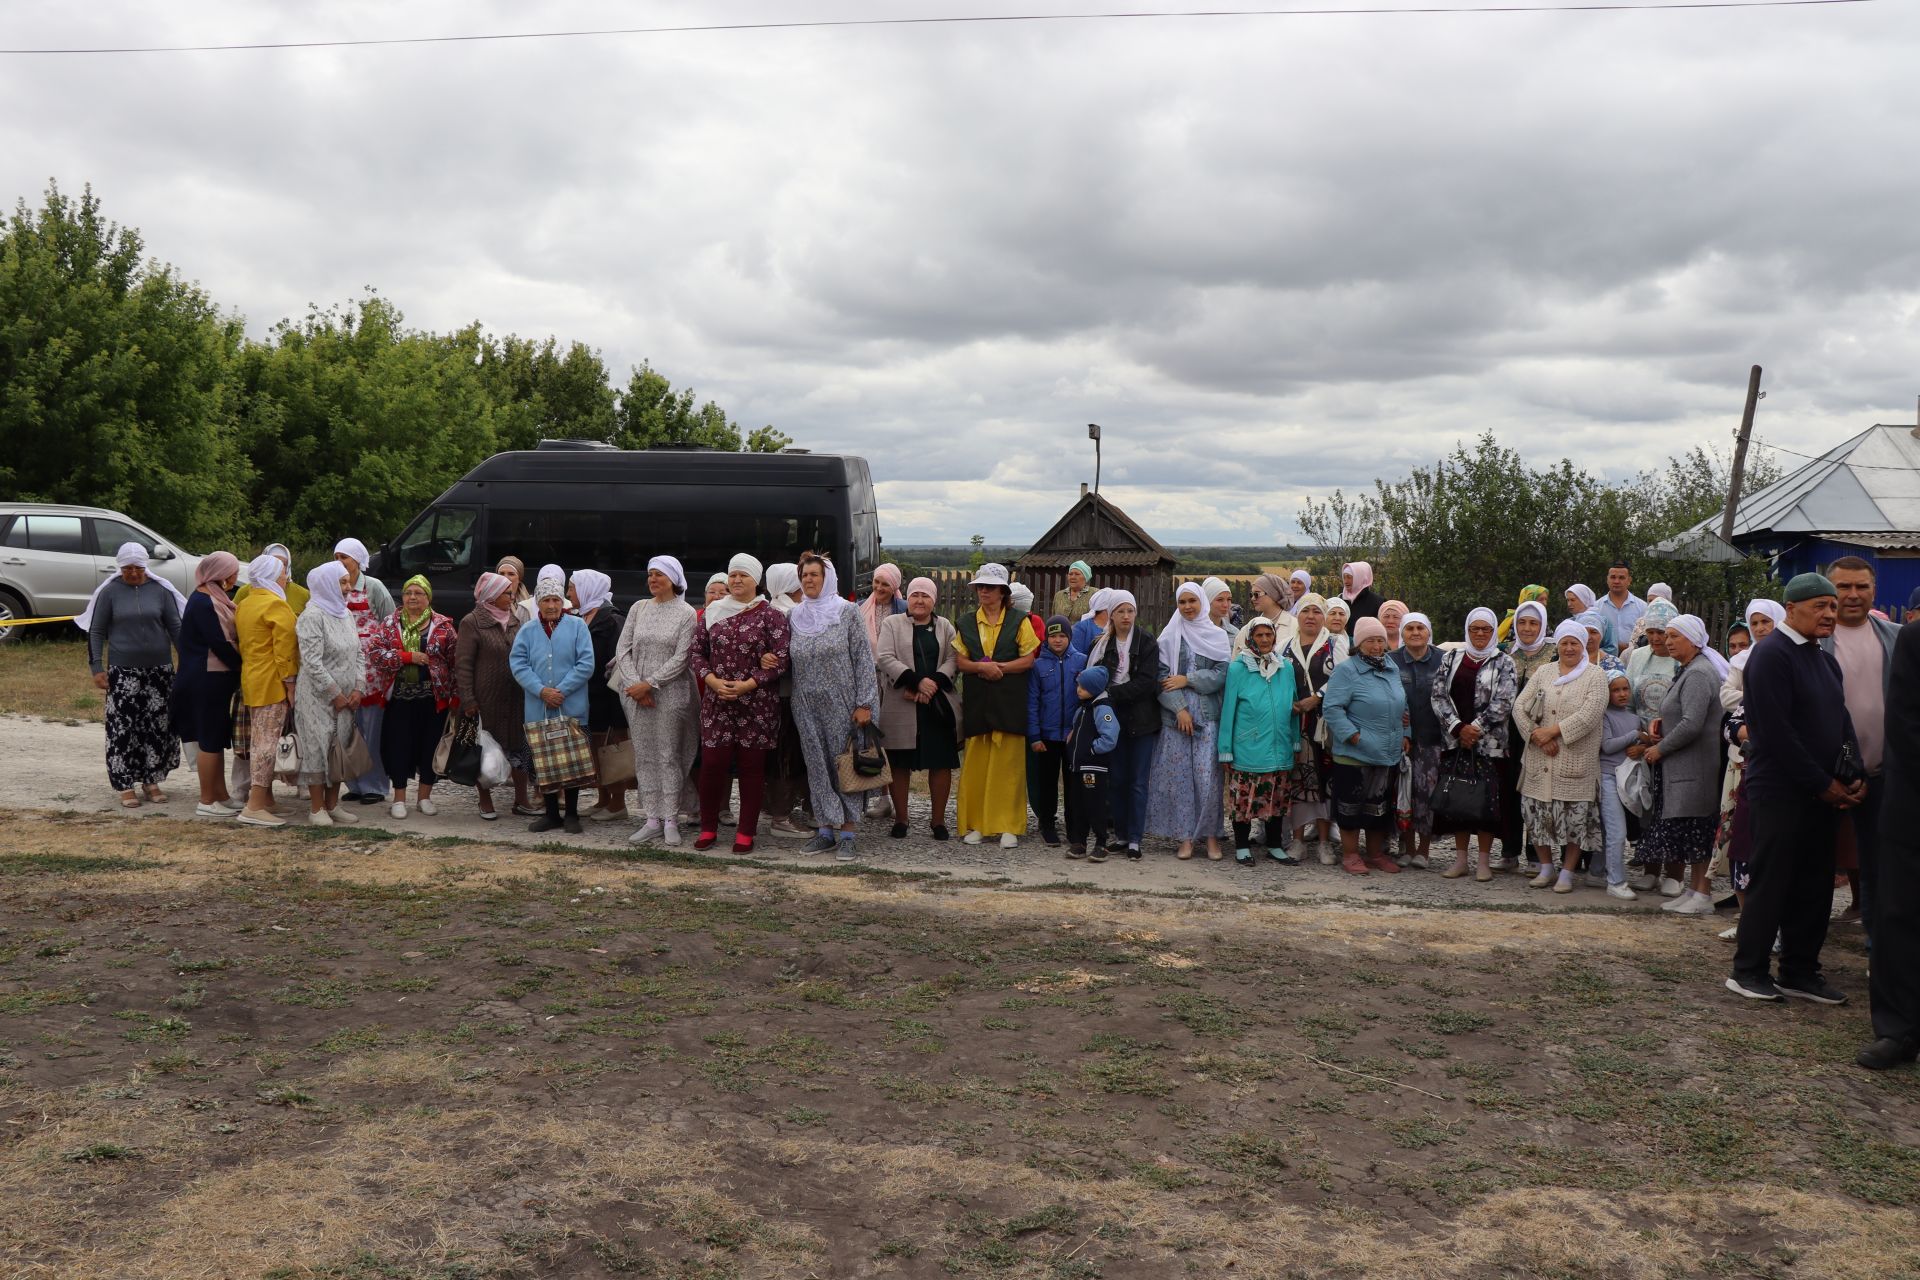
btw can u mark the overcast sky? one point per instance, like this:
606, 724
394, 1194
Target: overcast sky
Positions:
1270, 255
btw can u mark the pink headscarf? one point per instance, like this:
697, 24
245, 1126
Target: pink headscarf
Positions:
486, 590
870, 607
1362, 577
1393, 627
215, 569
924, 584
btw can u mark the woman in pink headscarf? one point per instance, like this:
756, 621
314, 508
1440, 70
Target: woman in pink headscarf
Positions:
1356, 588
883, 601
919, 716
485, 685
202, 703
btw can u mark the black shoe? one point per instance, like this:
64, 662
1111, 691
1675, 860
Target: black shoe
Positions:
1076, 854
1133, 853
939, 833
1816, 989
898, 831
1886, 1053
1282, 857
1098, 855
1049, 835
1243, 856
367, 797
1755, 988
543, 823
1116, 846
572, 824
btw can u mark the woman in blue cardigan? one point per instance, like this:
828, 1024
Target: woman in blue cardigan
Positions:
1365, 711
1258, 736
552, 661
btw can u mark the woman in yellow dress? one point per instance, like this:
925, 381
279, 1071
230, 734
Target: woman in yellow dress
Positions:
994, 659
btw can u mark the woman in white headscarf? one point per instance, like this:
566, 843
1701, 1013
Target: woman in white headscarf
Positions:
369, 603
650, 674
1532, 649
1184, 793
835, 690
1135, 671
1683, 752
333, 676
1558, 715
787, 786
1472, 698
1314, 655
296, 595
264, 631
1734, 839
132, 625
739, 714
590, 598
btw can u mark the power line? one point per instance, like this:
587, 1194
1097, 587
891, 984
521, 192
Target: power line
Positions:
953, 20
1838, 462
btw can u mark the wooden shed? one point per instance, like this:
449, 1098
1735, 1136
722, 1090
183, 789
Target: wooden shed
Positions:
1120, 552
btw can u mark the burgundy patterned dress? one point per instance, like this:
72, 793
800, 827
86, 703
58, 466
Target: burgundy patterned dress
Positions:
731, 650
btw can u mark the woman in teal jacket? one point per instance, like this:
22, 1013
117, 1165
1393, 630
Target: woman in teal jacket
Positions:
552, 661
1365, 709
1258, 736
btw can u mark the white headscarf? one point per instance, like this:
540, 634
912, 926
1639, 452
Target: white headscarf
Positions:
1660, 591
327, 584
670, 567
594, 588
1018, 592
1099, 601
1570, 630
815, 614
1204, 639
1212, 588
1115, 598
552, 581
782, 581
132, 553
1484, 615
726, 606
263, 574
1420, 619
1767, 609
1581, 592
1531, 606
1695, 632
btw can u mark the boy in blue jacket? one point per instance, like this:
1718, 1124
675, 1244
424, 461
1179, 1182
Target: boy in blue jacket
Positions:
1051, 704
1089, 747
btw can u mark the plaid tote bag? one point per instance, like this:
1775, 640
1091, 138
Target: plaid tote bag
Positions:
562, 756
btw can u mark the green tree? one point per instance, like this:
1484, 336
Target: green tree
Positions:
650, 413
978, 556
112, 376
539, 391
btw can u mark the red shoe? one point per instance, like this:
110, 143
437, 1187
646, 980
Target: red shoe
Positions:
1383, 862
707, 840
1352, 864
741, 844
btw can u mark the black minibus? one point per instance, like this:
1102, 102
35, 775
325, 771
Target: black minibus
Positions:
585, 505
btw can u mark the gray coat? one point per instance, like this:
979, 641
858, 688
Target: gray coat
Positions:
1689, 764
898, 715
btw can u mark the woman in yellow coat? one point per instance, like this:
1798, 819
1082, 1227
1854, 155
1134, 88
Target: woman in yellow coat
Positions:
995, 660
263, 625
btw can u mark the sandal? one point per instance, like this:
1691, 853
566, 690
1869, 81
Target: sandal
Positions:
129, 800
156, 795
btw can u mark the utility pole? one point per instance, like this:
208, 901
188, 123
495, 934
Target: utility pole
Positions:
1740, 455
1093, 434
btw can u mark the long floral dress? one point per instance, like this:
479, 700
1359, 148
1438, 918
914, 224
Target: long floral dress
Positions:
655, 645
833, 672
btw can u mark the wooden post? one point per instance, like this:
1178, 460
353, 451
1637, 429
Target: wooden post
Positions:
1740, 456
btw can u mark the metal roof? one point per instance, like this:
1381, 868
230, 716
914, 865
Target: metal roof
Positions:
1869, 484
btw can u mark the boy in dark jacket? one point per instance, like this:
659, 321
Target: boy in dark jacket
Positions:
1052, 701
1089, 749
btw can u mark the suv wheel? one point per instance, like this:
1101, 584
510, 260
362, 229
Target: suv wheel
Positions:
11, 607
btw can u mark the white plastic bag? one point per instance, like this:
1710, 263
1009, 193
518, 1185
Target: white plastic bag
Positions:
494, 769
1635, 782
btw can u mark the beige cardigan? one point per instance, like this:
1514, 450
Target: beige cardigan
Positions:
1578, 707
898, 715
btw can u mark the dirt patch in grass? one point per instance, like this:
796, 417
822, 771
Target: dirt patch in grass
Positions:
230, 1054
44, 674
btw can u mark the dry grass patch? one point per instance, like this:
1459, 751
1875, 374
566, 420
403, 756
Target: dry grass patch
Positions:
47, 677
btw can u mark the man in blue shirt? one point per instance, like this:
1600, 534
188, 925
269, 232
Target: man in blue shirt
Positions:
1620, 609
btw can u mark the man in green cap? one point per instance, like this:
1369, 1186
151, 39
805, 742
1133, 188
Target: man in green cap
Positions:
1802, 772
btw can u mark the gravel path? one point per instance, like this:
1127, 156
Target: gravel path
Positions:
60, 766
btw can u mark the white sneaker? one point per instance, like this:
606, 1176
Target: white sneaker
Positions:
1671, 888
1008, 840
1327, 857
261, 819
1728, 935
1596, 880
341, 818
1418, 862
671, 834
972, 837
1497, 862
1693, 903
320, 819
1542, 880
649, 830
234, 805
399, 809
726, 818
1643, 882
1563, 883
212, 811
427, 808
1624, 892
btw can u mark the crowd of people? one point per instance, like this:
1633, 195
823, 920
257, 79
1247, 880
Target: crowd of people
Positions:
1618, 749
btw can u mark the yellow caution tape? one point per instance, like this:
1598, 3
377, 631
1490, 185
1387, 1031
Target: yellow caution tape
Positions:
32, 622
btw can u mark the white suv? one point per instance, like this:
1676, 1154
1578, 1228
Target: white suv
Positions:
52, 557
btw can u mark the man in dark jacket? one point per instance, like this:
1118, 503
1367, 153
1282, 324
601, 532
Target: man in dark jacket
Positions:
1052, 700
1801, 774
1893, 983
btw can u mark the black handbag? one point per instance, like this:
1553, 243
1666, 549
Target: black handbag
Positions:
869, 761
463, 757
1468, 793
1846, 766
